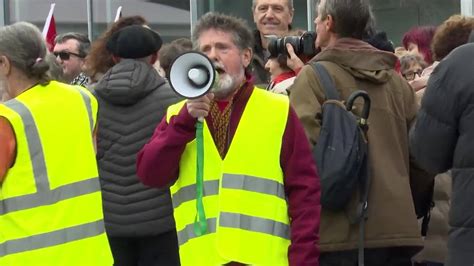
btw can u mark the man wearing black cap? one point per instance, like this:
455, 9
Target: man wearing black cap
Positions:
133, 99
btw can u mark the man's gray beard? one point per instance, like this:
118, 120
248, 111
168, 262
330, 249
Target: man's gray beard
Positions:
225, 86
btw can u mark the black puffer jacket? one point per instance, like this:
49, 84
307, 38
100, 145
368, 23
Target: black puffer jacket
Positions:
257, 66
443, 138
132, 100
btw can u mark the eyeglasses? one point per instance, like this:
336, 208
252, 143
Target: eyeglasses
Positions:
66, 55
412, 75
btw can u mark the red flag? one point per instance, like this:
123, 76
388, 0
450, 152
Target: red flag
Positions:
49, 30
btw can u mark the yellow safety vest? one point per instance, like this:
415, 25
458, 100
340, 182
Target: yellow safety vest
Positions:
50, 200
244, 199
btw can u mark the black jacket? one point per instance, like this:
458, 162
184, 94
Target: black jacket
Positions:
132, 100
443, 138
257, 66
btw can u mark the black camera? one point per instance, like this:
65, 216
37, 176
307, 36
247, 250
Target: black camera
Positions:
302, 45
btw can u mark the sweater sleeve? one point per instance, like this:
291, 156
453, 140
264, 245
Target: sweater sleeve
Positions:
158, 161
7, 147
302, 188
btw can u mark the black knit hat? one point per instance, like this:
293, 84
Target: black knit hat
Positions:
134, 41
381, 42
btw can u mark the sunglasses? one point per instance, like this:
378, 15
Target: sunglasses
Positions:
66, 55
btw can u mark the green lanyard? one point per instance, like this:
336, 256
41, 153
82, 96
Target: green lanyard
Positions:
200, 224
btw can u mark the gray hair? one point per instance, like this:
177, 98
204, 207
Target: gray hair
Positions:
24, 46
352, 18
55, 71
84, 42
238, 27
406, 60
290, 4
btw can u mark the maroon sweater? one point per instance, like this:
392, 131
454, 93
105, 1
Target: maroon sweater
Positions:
158, 166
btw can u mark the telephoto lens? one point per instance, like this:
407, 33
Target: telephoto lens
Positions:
302, 45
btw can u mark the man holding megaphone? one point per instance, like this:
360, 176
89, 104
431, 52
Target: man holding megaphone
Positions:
256, 201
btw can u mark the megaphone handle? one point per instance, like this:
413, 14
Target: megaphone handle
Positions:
200, 223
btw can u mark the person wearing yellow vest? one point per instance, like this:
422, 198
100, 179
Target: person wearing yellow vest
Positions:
50, 199
260, 184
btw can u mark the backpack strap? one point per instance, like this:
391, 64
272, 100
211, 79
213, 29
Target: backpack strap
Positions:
328, 85
364, 187
364, 183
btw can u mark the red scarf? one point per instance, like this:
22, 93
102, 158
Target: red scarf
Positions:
281, 77
220, 114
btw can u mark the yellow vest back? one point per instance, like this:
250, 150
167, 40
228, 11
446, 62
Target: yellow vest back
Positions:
50, 200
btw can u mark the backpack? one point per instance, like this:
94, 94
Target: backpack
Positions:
341, 153
341, 150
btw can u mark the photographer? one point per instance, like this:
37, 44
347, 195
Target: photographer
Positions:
281, 74
272, 17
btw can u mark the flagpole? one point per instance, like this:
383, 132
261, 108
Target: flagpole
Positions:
3, 15
108, 10
89, 19
310, 14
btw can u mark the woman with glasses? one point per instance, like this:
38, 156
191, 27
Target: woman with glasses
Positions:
411, 66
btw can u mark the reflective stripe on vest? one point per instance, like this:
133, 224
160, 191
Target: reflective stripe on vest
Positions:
254, 184
238, 221
248, 183
44, 195
254, 224
87, 102
188, 232
53, 238
210, 188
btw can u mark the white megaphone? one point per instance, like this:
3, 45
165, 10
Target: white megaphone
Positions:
192, 75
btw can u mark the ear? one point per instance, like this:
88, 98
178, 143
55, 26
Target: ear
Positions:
329, 23
247, 56
5, 65
153, 58
292, 12
116, 59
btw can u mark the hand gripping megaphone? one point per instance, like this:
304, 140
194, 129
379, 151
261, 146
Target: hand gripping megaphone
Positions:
192, 75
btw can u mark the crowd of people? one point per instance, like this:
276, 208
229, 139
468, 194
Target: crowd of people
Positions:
99, 157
